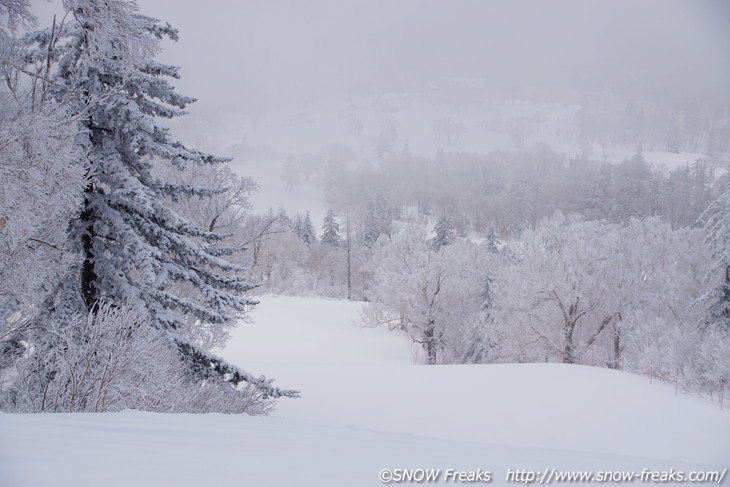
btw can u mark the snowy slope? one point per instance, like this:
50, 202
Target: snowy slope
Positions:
356, 377
145, 449
364, 407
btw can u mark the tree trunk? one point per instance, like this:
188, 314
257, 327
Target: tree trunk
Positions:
726, 294
568, 328
89, 278
88, 273
570, 320
429, 340
349, 262
616, 362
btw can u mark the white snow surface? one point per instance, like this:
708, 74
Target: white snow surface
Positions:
366, 407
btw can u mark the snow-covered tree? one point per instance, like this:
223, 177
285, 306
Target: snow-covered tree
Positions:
257, 229
701, 177
651, 278
377, 220
492, 242
521, 205
113, 359
550, 294
445, 234
37, 152
331, 230
290, 174
133, 246
308, 236
717, 226
581, 286
224, 209
99, 361
711, 361
631, 190
40, 184
304, 229
430, 295
15, 13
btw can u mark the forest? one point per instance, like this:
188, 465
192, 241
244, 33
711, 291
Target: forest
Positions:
127, 256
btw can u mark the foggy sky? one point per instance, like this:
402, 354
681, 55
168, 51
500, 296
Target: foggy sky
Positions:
246, 55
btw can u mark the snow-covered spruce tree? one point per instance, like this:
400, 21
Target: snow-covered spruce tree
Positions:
378, 220
308, 235
521, 205
331, 230
133, 247
445, 233
631, 188
225, 211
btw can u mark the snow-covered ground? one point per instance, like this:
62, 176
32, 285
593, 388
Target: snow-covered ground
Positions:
365, 408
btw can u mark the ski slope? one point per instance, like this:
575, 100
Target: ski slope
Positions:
365, 408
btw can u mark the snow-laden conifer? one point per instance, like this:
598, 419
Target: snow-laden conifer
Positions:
445, 233
331, 230
133, 247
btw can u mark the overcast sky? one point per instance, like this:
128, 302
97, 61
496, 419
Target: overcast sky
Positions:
245, 54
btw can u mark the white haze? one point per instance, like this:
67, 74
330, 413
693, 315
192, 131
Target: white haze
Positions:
259, 53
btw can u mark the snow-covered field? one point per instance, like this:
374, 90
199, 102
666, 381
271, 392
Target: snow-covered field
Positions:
365, 408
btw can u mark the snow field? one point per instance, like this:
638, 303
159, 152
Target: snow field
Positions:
363, 382
365, 408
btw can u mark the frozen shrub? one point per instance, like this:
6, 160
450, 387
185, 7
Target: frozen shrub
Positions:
113, 359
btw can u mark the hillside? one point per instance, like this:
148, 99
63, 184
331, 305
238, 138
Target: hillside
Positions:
365, 407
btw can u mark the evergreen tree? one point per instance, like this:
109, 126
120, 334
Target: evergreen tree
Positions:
487, 295
284, 221
632, 181
290, 173
521, 210
492, 241
378, 220
309, 236
331, 230
297, 226
445, 233
304, 229
701, 178
371, 231
134, 249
